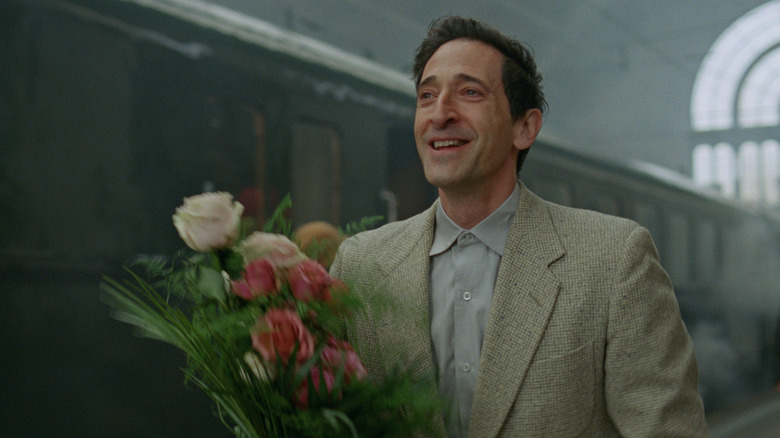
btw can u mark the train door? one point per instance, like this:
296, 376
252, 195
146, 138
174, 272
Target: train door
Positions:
315, 173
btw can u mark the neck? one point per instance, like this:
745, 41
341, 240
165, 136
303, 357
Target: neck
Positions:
467, 209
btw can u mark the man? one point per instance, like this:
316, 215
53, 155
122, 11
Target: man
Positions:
537, 319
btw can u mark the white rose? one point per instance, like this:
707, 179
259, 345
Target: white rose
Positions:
277, 248
208, 221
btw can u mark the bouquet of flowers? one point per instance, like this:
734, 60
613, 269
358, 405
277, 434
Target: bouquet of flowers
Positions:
261, 325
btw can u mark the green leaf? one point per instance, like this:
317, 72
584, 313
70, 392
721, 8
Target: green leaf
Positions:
278, 223
211, 283
363, 224
335, 417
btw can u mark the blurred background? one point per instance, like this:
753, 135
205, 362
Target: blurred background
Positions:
112, 111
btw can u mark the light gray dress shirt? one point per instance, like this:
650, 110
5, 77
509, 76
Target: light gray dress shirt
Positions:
464, 266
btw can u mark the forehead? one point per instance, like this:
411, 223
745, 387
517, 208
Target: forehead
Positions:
468, 56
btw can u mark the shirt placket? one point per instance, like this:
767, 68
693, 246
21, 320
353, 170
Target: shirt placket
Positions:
466, 256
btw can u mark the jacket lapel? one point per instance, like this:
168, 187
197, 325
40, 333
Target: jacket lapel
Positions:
523, 300
405, 276
405, 338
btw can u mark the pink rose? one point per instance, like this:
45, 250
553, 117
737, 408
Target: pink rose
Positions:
278, 332
301, 396
208, 221
258, 279
277, 248
337, 354
309, 280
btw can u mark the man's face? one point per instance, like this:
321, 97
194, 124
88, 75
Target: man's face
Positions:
463, 127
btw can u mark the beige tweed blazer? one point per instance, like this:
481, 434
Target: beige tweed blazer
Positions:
584, 336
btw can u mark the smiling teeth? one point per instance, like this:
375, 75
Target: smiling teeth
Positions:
442, 144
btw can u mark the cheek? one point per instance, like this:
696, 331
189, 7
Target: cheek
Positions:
419, 130
501, 129
419, 127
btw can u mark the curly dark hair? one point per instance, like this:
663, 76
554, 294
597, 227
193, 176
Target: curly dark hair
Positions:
522, 82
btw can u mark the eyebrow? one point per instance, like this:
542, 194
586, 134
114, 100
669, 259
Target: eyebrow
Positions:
461, 77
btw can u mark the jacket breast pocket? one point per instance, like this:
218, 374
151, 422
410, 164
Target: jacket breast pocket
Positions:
557, 395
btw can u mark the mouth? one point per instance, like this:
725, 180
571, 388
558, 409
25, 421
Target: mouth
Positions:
440, 144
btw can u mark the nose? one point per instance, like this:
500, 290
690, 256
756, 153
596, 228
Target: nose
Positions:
443, 111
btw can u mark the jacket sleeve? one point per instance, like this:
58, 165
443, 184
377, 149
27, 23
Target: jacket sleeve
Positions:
651, 378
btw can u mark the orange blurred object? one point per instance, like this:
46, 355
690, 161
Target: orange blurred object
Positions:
319, 240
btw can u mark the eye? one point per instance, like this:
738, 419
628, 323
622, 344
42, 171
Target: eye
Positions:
472, 92
424, 95
425, 98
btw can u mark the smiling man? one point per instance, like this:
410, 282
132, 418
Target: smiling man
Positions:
467, 138
537, 319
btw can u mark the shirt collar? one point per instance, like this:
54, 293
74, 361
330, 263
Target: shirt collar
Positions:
492, 231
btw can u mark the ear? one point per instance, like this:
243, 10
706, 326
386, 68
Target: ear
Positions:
526, 128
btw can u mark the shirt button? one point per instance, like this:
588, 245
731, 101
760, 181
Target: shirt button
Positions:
467, 295
466, 367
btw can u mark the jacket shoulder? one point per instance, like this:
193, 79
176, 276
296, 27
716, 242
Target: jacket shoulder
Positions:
386, 234
386, 243
573, 221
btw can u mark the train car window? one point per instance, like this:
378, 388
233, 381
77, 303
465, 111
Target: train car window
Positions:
315, 173
234, 154
678, 249
707, 250
405, 173
593, 199
551, 190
